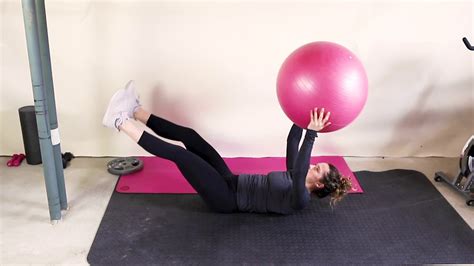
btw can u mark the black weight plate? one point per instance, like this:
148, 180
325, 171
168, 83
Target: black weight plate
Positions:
124, 166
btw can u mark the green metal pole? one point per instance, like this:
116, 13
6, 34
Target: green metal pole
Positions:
41, 108
49, 94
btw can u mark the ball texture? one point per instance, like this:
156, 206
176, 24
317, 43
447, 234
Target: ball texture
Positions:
322, 74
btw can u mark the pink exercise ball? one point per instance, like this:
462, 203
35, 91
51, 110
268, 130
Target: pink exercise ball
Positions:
322, 74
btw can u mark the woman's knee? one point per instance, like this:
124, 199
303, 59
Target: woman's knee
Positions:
189, 133
191, 138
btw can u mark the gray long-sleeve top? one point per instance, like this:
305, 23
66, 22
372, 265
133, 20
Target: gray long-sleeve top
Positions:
280, 191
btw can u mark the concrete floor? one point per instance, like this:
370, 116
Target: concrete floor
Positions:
27, 237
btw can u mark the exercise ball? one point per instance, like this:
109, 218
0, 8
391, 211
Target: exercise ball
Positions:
322, 74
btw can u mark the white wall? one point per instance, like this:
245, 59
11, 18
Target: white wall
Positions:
213, 67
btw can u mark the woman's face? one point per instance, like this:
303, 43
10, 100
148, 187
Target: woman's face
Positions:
316, 174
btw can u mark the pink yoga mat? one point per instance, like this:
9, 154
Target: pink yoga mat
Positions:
163, 176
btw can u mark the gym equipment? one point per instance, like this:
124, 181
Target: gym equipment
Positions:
67, 157
124, 166
36, 30
322, 74
399, 221
163, 176
29, 131
464, 181
468, 45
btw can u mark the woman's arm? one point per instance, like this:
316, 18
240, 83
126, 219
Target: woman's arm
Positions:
301, 167
317, 123
292, 142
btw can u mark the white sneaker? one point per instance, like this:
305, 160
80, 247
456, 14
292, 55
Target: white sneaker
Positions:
133, 99
117, 111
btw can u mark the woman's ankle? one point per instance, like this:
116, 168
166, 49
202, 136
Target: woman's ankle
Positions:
141, 115
136, 112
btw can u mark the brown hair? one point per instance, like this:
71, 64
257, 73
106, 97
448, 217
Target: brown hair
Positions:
335, 185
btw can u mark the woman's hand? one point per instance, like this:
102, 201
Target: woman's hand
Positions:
319, 121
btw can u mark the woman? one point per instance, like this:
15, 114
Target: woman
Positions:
277, 192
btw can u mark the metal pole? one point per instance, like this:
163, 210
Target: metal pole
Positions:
49, 94
41, 108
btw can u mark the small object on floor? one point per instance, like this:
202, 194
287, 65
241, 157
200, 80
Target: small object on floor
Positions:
67, 157
124, 166
10, 162
16, 160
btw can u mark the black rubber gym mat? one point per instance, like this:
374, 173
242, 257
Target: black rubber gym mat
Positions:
401, 218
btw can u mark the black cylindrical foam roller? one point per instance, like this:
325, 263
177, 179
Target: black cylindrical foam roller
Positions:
29, 131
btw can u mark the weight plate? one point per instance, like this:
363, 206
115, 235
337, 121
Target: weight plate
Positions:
124, 166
